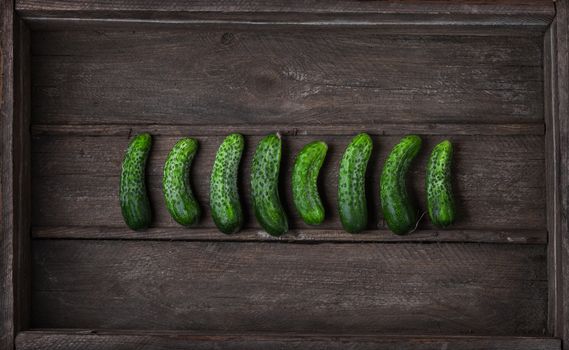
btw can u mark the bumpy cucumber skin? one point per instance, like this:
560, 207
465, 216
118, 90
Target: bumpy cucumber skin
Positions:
223, 195
305, 182
352, 204
178, 195
438, 185
398, 210
135, 205
264, 186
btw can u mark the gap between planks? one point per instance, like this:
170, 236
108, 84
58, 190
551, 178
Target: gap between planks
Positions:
305, 236
297, 129
386, 28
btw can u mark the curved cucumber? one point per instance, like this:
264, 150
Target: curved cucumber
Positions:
398, 210
305, 182
180, 201
135, 205
352, 203
440, 201
264, 186
224, 195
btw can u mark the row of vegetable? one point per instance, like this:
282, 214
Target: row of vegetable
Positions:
399, 211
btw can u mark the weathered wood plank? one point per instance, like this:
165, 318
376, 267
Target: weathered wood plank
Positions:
560, 113
293, 236
104, 340
300, 6
8, 206
332, 288
531, 13
15, 165
276, 76
553, 191
499, 180
411, 25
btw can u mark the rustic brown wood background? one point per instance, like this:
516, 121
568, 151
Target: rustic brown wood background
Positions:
484, 75
281, 78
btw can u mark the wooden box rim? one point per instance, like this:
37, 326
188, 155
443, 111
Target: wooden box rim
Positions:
18, 17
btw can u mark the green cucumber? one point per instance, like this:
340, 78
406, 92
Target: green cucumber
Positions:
399, 211
305, 182
352, 203
135, 205
224, 195
265, 186
440, 201
180, 201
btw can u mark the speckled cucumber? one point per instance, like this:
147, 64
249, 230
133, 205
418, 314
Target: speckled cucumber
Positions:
178, 195
224, 195
264, 186
135, 205
440, 200
352, 203
398, 209
305, 182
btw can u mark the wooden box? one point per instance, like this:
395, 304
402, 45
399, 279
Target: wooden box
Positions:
79, 78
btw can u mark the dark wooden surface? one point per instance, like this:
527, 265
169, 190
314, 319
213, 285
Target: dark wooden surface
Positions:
295, 235
74, 175
551, 168
304, 82
473, 72
101, 340
15, 178
276, 76
560, 113
22, 175
299, 6
15, 175
94, 88
333, 288
530, 13
8, 221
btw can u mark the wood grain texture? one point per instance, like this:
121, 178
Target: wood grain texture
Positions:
553, 192
499, 181
308, 69
293, 236
22, 175
333, 288
276, 76
528, 13
101, 340
9, 220
561, 111
15, 175
300, 6
411, 26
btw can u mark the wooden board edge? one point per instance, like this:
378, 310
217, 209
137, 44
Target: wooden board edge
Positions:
528, 13
67, 24
22, 174
561, 115
440, 25
124, 130
101, 340
7, 222
15, 175
552, 178
306, 236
